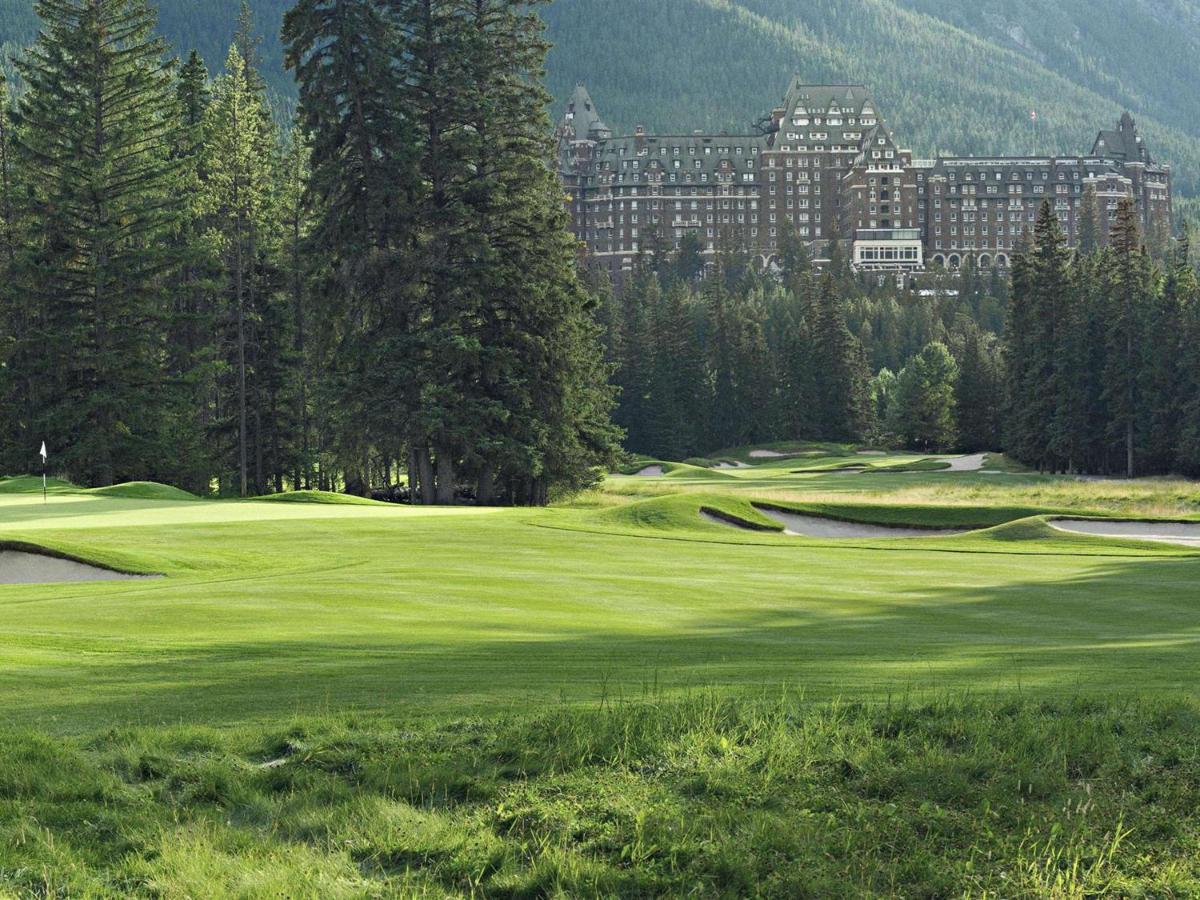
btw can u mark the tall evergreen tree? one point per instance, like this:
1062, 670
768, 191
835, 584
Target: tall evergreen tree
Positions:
96, 131
1089, 222
977, 393
923, 407
840, 379
1048, 287
1128, 279
238, 166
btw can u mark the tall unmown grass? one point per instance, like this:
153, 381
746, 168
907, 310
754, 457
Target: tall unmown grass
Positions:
708, 797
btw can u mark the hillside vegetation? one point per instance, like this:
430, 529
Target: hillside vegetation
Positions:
950, 75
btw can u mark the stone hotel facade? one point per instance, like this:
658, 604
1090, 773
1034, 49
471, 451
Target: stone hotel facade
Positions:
827, 165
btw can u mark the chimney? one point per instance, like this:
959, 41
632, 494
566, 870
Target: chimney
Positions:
639, 138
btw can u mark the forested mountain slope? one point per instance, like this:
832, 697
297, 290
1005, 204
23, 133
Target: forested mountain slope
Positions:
949, 75
958, 76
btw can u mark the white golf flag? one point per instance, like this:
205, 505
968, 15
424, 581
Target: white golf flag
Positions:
43, 451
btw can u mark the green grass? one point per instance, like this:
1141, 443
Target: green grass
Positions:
319, 497
702, 796
28, 484
584, 700
144, 490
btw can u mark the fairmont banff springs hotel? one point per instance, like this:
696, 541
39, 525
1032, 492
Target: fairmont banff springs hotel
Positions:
828, 166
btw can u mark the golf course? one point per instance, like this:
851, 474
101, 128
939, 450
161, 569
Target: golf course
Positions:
666, 684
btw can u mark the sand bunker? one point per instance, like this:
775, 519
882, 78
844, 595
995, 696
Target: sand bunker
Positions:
18, 567
766, 454
728, 465
798, 525
650, 472
971, 463
1185, 534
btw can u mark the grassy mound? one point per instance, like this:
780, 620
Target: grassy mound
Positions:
737, 798
674, 469
32, 484
784, 450
682, 512
319, 497
144, 490
917, 515
920, 465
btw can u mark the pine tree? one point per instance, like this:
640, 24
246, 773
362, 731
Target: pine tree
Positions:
1049, 285
296, 223
238, 167
978, 394
96, 130
1089, 223
1162, 364
1128, 280
190, 348
16, 391
1020, 431
923, 408
1187, 289
364, 185
840, 379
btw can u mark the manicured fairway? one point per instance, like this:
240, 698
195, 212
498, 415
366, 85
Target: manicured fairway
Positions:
270, 610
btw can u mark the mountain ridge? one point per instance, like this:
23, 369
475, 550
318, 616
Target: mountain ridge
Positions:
951, 76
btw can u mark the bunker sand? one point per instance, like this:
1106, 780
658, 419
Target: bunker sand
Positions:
19, 567
797, 525
1184, 534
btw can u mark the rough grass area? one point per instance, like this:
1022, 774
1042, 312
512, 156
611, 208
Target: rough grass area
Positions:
705, 797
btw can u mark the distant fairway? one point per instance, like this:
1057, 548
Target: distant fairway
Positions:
270, 610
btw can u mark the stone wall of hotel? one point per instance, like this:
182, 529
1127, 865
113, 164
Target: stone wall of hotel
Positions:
827, 165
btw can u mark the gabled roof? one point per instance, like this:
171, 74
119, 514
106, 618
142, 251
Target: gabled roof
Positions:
850, 98
1124, 144
583, 117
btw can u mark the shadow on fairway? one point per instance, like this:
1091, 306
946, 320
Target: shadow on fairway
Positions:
1131, 625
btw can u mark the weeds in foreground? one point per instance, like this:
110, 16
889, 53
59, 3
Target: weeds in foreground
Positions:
710, 797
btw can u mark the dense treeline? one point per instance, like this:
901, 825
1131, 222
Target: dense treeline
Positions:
738, 358
193, 295
1087, 363
1103, 355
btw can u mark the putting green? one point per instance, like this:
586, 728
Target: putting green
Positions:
269, 610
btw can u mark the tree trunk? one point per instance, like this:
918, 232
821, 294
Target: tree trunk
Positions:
425, 467
486, 491
414, 476
241, 349
1130, 401
445, 477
